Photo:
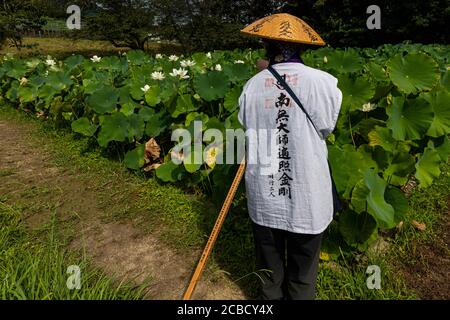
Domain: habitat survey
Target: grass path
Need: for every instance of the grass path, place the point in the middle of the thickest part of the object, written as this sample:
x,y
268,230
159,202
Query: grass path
x,y
100,213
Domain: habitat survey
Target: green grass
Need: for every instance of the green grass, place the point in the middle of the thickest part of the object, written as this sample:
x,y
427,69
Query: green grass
x,y
33,266
183,220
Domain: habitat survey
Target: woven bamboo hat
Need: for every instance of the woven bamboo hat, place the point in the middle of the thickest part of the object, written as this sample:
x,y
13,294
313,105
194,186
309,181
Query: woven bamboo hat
x,y
284,27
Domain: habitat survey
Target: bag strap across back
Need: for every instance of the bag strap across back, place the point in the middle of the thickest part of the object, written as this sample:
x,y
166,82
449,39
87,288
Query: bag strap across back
x,y
282,81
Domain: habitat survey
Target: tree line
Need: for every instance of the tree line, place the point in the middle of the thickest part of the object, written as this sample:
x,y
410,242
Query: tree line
x,y
215,24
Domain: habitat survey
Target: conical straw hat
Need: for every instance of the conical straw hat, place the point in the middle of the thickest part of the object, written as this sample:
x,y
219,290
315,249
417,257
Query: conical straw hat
x,y
284,27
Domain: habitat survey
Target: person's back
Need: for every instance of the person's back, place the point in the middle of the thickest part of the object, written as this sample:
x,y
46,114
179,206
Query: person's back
x,y
292,197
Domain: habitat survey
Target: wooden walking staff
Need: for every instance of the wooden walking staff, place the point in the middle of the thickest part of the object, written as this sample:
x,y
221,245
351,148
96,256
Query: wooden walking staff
x,y
215,232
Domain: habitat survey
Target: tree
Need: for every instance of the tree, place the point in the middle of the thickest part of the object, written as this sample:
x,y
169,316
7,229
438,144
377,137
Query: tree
x,y
17,16
343,23
122,22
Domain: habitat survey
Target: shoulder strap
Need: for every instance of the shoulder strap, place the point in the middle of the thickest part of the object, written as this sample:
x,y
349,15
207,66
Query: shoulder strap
x,y
336,202
292,94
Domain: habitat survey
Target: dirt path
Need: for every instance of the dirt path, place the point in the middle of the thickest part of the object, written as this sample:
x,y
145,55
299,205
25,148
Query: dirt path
x,y
121,249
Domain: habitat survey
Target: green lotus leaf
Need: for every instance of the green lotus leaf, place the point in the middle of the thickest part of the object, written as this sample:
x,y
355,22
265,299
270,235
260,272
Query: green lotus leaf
x,y
104,100
137,57
27,94
367,157
381,157
409,119
46,93
397,200
356,92
382,211
15,69
232,122
169,172
440,103
413,72
212,85
382,137
113,128
127,104
147,113
193,160
445,80
155,125
135,90
444,149
12,93
427,167
36,81
347,166
168,94
152,96
377,72
84,126
356,228
113,63
128,108
359,197
199,116
134,159
59,80
214,123
237,72
400,167
184,104
90,86
231,102
137,126
345,61
73,61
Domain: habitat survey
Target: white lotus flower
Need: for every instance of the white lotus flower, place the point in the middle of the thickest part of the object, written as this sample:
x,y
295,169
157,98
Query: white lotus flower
x,y
181,73
239,62
368,107
173,58
187,63
325,59
96,59
208,55
158,56
218,67
145,88
158,75
50,62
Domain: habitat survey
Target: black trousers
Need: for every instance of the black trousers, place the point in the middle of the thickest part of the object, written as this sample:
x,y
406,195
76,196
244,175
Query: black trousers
x,y
288,263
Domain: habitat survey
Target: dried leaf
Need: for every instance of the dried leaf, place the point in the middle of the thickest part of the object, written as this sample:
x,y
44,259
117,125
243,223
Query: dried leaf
x,y
408,187
152,150
152,167
419,225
